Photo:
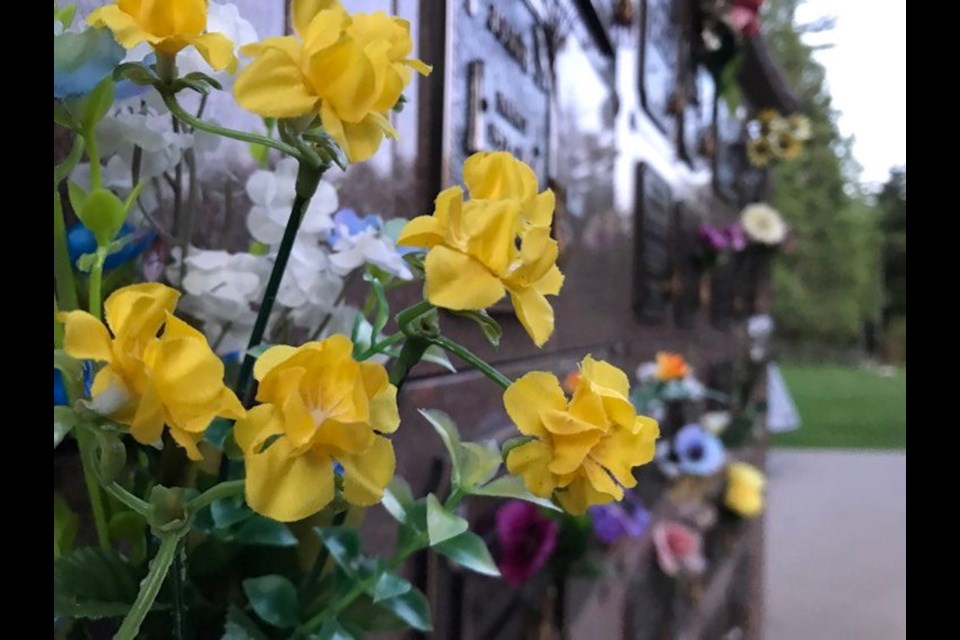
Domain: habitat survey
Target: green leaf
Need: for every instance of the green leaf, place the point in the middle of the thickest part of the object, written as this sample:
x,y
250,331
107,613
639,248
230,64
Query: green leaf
x,y
441,524
76,194
64,419
512,443
63,117
446,428
333,630
412,608
94,583
266,532
131,528
240,626
479,462
65,523
97,103
389,585
512,487
382,309
65,15
199,77
490,327
343,544
437,355
229,511
274,599
469,551
111,456
134,72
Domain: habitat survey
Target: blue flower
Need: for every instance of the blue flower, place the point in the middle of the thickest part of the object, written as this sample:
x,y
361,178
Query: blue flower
x,y
59,389
82,60
353,224
80,241
698,452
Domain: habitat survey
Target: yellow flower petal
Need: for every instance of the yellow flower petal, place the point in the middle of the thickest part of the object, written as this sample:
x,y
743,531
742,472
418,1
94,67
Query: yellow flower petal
x,y
188,441
531,395
288,487
260,423
530,461
216,49
601,480
569,451
367,474
540,214
580,495
562,423
422,231
620,451
359,141
302,13
270,359
490,228
186,371
298,424
420,66
85,337
456,281
336,439
587,407
384,415
147,424
125,27
347,78
272,85
534,313
138,311
551,283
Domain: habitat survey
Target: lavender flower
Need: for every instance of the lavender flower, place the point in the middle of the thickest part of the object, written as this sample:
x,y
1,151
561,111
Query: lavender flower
x,y
613,522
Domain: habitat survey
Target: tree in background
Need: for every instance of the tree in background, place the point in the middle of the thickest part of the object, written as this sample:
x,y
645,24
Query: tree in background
x,y
828,285
892,205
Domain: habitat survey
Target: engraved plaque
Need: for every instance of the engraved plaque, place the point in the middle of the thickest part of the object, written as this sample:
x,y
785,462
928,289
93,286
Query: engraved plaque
x,y
653,255
729,158
497,87
659,57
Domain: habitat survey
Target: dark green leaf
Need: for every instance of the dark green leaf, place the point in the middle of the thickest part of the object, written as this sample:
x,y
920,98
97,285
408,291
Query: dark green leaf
x,y
197,76
412,608
216,434
441,524
94,583
263,531
382,308
130,527
274,599
401,101
512,487
469,551
240,626
343,544
333,630
65,524
389,585
229,511
490,327
446,428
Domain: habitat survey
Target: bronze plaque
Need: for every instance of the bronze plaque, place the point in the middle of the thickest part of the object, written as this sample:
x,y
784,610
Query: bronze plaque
x,y
497,85
659,57
653,255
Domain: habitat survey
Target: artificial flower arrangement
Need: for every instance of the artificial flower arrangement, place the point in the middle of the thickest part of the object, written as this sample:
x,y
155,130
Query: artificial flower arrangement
x,y
225,497
773,137
724,27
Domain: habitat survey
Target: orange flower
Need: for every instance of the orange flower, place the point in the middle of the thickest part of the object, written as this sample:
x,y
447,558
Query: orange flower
x,y
671,366
571,381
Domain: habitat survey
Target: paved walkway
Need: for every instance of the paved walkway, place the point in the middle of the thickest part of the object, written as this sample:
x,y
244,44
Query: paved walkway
x,y
836,545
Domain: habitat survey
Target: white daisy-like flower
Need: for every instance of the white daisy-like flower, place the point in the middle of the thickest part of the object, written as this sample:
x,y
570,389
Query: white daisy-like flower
x,y
762,223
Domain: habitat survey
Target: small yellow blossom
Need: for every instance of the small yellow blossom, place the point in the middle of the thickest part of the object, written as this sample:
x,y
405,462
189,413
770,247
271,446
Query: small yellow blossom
x,y
483,248
168,25
584,449
148,381
671,366
744,489
349,70
320,406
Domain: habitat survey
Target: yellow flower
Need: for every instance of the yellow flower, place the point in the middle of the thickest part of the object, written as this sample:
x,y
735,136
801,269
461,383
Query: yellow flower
x,y
744,489
583,450
800,126
786,145
148,381
168,25
349,70
671,366
497,175
760,152
474,257
319,406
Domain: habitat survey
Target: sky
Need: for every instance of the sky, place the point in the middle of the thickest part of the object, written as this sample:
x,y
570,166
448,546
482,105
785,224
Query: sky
x,y
867,77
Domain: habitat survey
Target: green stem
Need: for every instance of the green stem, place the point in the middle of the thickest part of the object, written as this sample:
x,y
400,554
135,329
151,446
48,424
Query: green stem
x,y
410,355
93,153
62,269
381,346
472,359
87,447
179,606
150,587
214,493
96,282
133,502
195,122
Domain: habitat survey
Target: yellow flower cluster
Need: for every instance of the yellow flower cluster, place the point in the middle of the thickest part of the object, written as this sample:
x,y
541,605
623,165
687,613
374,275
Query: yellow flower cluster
x,y
496,242
778,137
583,450
349,70
149,381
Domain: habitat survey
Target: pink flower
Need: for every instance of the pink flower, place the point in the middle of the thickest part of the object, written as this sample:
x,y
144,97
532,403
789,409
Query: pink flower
x,y
744,16
526,541
678,549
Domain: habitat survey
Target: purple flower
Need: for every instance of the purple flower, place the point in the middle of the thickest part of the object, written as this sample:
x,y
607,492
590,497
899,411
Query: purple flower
x,y
526,540
613,522
698,452
712,236
736,236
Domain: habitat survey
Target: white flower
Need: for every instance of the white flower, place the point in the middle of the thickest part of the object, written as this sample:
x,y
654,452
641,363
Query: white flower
x,y
368,246
762,223
309,288
759,326
272,194
647,371
161,146
715,421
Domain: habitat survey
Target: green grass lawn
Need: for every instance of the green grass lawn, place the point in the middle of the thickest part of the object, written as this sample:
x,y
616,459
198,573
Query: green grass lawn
x,y
846,408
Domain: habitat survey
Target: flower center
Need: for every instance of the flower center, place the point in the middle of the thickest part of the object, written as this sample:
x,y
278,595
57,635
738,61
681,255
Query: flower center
x,y
695,452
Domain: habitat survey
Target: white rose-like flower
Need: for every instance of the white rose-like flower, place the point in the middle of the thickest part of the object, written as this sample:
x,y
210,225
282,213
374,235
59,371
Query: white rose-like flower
x,y
273,193
762,223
